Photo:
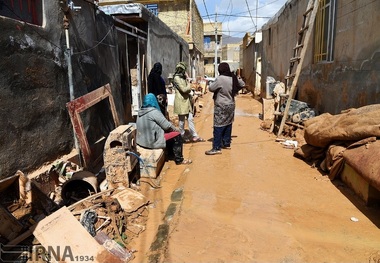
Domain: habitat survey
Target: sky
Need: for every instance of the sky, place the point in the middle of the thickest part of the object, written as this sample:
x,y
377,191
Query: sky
x,y
235,15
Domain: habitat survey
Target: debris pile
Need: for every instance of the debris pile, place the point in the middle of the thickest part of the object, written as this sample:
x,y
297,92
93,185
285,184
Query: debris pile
x,y
110,216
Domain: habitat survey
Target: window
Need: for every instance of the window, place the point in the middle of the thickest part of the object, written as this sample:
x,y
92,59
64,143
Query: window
x,y
29,11
207,43
324,31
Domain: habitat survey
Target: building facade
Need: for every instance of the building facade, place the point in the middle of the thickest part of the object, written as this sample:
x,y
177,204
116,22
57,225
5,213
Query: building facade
x,y
341,66
183,17
54,53
212,47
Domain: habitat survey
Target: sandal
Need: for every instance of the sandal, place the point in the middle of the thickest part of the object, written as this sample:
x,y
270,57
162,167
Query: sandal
x,y
198,139
185,161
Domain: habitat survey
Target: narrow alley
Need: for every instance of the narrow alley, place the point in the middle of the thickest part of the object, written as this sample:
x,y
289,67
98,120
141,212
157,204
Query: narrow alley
x,y
258,203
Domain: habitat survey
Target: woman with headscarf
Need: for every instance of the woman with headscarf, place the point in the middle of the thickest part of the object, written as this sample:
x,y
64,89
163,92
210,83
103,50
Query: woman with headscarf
x,y
156,85
225,88
182,102
154,131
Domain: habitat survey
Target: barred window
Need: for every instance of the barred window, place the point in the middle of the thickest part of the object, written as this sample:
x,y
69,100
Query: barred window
x,y
324,31
29,11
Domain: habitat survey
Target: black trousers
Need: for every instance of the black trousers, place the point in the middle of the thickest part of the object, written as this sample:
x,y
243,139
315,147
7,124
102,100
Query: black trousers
x,y
174,148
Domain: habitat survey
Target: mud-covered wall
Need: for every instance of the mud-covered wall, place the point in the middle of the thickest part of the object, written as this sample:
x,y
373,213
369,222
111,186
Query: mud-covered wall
x,y
165,46
35,125
249,63
352,79
278,40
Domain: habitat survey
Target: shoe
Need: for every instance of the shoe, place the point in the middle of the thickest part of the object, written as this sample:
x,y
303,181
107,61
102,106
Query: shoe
x,y
228,147
185,161
198,139
213,152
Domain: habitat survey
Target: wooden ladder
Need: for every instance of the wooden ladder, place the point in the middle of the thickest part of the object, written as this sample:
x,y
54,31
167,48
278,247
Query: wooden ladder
x,y
295,63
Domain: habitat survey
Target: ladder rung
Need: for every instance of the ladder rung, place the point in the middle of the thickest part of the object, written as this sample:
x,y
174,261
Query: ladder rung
x,y
308,11
298,46
278,113
303,29
290,76
284,95
294,59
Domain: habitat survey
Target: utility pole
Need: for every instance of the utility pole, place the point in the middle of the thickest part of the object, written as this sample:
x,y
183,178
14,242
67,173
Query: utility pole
x,y
216,47
257,7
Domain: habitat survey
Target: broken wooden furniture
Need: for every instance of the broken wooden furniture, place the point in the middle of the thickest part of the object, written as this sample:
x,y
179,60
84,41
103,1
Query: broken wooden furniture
x,y
120,155
64,235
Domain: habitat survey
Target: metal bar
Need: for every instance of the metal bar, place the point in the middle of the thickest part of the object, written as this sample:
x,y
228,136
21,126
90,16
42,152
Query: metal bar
x,y
130,33
130,26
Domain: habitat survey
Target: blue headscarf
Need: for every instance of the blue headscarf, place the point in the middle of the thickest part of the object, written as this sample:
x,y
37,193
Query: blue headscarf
x,y
150,101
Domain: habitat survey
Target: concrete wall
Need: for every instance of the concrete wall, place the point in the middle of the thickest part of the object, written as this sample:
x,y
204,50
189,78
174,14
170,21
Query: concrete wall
x,y
249,62
177,14
35,125
197,34
352,79
183,17
165,46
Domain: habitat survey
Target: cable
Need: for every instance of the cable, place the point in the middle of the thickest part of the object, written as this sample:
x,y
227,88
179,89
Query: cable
x,y
148,180
101,41
249,11
204,3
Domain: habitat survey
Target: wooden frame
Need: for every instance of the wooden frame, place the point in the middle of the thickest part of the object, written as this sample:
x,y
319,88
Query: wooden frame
x,y
78,105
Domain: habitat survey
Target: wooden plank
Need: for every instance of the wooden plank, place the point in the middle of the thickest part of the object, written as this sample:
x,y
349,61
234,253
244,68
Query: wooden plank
x,y
9,227
293,88
64,235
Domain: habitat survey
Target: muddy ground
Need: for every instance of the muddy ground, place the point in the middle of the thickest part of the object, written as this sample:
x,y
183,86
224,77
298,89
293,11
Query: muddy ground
x,y
253,203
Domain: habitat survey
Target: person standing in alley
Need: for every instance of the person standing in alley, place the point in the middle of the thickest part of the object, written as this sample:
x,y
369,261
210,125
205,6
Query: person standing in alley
x,y
156,86
225,88
183,102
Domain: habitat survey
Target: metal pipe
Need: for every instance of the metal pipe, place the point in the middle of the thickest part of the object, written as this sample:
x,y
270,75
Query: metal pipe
x,y
69,65
216,50
70,78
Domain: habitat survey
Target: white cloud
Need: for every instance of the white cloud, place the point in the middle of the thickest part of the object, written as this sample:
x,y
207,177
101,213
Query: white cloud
x,y
235,16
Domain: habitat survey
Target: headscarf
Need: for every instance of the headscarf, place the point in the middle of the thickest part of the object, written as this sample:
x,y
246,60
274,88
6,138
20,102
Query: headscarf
x,y
157,68
180,69
150,101
224,69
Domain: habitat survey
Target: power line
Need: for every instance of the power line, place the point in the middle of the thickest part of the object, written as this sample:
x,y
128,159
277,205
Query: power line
x,y
204,3
240,16
249,11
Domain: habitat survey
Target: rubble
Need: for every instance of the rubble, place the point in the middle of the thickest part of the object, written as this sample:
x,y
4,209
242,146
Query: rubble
x,y
56,208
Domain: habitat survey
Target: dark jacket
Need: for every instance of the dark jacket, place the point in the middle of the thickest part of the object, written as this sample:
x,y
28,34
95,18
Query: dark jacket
x,y
156,83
